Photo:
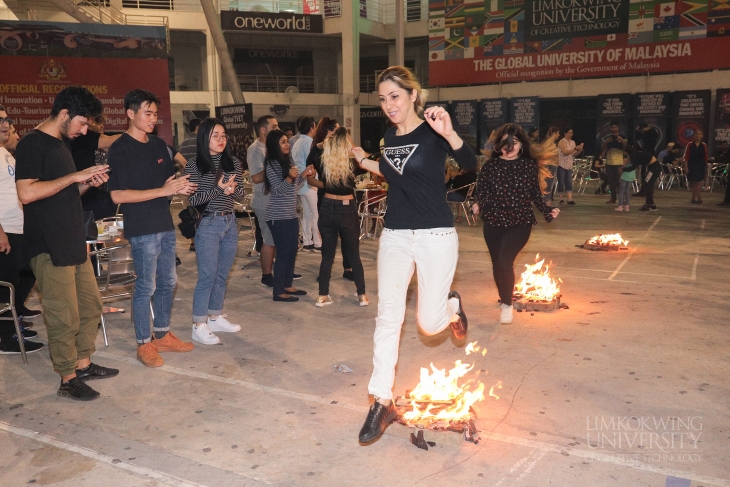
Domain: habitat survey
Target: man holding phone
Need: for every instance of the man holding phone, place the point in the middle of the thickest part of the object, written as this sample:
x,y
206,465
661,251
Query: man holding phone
x,y
50,188
142,179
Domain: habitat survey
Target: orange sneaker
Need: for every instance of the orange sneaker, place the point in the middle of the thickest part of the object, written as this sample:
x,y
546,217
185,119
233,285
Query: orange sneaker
x,y
148,355
171,343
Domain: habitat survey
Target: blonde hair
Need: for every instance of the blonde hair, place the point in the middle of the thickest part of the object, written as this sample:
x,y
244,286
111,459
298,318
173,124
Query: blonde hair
x,y
405,79
336,166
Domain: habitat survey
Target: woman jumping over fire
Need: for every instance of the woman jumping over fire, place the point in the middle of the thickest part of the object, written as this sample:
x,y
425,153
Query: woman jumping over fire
x,y
419,231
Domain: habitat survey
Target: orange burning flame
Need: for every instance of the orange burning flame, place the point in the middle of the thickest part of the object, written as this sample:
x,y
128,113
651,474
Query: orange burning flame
x,y
613,239
536,283
439,396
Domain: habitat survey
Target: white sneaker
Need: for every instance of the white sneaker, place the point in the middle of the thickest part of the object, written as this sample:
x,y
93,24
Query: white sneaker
x,y
619,208
202,334
222,324
506,317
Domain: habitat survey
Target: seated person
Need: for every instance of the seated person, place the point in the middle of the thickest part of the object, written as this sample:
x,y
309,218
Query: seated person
x,y
598,171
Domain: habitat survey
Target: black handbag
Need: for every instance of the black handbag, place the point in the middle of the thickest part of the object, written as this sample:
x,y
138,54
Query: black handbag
x,y
191,216
92,233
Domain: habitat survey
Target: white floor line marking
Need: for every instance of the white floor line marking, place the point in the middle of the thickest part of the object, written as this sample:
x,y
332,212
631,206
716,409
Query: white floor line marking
x,y
486,435
238,382
536,457
694,267
514,468
607,458
702,225
633,250
100,457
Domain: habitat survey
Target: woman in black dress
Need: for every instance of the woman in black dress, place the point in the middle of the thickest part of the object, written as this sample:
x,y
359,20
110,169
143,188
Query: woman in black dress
x,y
695,165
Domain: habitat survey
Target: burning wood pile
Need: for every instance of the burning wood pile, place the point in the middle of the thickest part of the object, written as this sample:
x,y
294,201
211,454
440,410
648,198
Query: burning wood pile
x,y
440,403
537,290
610,242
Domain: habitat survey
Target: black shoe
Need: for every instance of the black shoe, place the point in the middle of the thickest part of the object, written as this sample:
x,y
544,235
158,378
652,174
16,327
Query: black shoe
x,y
459,327
571,202
561,202
27,333
644,208
611,202
290,299
192,247
379,417
724,203
93,372
297,277
75,389
30,314
308,247
177,261
25,324
298,292
348,275
11,346
652,208
267,280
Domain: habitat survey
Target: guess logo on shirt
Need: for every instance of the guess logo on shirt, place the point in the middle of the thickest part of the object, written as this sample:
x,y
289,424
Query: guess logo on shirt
x,y
398,156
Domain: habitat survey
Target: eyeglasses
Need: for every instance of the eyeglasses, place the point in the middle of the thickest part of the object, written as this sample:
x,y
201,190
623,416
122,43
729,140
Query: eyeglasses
x,y
6,119
219,137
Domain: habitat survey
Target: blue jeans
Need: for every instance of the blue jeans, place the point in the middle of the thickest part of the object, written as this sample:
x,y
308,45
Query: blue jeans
x,y
154,263
216,243
550,182
286,240
624,193
565,180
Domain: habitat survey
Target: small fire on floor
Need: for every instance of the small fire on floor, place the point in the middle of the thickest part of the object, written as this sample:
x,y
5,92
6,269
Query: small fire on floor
x,y
537,290
606,243
440,408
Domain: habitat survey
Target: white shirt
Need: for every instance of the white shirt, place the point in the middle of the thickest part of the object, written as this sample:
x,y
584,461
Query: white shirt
x,y
566,160
11,211
299,154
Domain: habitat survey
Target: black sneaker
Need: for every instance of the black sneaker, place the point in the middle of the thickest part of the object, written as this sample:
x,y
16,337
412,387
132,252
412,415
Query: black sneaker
x,y
27,333
11,346
644,208
571,202
348,275
31,314
459,326
297,277
76,389
379,417
308,247
724,203
93,372
267,280
652,208
177,261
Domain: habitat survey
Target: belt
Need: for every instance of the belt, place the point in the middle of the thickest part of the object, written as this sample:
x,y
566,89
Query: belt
x,y
217,213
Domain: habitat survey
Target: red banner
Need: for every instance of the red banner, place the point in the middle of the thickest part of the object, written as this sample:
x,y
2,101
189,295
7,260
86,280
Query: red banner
x,y
28,86
691,55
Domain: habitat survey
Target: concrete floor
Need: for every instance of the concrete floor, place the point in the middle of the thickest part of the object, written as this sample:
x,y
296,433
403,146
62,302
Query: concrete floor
x,y
645,336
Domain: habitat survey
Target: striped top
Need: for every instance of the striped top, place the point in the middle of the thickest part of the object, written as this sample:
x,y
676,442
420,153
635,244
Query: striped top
x,y
208,190
282,204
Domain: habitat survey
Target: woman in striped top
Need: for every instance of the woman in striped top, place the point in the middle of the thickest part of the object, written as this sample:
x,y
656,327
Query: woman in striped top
x,y
281,182
216,239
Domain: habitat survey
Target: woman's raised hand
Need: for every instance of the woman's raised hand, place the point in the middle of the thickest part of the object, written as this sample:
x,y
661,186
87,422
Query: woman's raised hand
x,y
309,171
293,172
440,120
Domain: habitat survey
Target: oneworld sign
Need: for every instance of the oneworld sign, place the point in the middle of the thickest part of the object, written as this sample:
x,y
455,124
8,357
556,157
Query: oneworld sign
x,y
272,22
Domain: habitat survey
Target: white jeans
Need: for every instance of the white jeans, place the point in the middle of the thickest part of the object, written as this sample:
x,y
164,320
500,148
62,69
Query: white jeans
x,y
435,253
310,230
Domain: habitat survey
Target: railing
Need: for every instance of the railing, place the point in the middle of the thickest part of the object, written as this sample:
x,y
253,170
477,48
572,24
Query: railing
x,y
277,84
175,5
368,81
310,7
383,11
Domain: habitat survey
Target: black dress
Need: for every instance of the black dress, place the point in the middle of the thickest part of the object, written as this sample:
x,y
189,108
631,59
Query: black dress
x,y
696,162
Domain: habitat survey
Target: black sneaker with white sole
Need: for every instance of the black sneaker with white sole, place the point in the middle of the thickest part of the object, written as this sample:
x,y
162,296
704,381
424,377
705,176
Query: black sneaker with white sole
x,y
93,372
31,314
78,390
11,346
296,277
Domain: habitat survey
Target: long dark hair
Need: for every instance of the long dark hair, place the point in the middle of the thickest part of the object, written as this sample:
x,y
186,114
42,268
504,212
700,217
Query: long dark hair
x,y
538,154
203,159
275,157
324,126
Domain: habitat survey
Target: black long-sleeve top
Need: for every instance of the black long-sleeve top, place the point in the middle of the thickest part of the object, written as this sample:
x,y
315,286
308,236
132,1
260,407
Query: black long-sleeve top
x,y
413,165
506,191
208,190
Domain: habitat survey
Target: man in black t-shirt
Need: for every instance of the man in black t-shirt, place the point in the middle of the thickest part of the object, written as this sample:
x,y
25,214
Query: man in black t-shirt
x,y
49,186
84,149
142,178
